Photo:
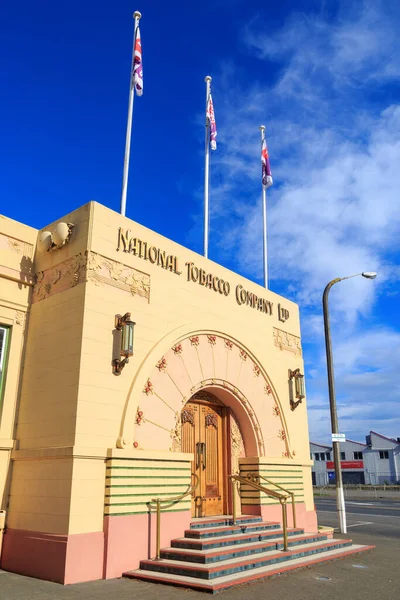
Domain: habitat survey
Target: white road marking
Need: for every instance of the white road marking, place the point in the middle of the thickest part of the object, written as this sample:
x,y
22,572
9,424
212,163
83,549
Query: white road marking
x,y
361,523
361,503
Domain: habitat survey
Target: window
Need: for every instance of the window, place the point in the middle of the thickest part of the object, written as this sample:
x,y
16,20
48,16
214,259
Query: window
x,y
317,456
328,456
357,455
384,454
342,456
4,335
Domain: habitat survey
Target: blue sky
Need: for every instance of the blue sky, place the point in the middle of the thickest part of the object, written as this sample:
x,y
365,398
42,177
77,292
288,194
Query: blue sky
x,y
323,76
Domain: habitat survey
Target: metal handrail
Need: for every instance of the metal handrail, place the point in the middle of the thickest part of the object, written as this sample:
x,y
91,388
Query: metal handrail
x,y
171,501
288,492
252,481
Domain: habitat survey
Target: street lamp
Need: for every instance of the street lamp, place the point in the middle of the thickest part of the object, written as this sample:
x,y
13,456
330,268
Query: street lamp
x,y
332,399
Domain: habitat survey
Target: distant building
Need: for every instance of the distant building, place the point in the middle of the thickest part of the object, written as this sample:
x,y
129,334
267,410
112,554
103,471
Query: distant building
x,y
321,455
381,459
375,463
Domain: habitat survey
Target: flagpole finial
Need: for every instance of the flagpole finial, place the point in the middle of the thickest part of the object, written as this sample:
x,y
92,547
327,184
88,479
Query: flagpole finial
x,y
137,15
208,78
262,127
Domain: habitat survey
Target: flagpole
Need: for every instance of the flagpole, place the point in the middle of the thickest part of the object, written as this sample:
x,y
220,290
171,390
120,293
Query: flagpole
x,y
206,170
137,16
264,210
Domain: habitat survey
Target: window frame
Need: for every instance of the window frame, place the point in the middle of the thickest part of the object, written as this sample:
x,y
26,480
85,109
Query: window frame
x,y
385,454
342,455
4,359
357,455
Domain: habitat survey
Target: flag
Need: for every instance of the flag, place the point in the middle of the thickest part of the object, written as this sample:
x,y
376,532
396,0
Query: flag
x,y
266,169
213,126
137,65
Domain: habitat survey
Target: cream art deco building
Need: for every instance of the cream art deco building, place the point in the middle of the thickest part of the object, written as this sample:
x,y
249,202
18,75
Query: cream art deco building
x,y
89,436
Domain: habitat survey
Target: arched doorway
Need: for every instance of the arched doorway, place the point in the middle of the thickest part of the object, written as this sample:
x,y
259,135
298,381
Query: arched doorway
x,y
205,435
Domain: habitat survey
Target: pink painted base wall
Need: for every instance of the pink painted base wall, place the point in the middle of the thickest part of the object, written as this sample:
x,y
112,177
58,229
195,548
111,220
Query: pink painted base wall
x,y
132,538
60,558
90,556
304,519
125,542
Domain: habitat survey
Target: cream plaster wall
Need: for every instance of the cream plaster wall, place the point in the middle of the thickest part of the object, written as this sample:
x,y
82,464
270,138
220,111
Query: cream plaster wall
x,y
17,243
70,397
179,307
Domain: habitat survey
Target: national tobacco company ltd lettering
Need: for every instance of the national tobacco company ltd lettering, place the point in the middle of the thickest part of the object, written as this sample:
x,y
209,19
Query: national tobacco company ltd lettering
x,y
195,274
245,297
207,279
141,249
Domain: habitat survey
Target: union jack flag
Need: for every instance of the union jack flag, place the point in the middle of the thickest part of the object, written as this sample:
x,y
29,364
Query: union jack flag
x,y
137,65
213,126
266,169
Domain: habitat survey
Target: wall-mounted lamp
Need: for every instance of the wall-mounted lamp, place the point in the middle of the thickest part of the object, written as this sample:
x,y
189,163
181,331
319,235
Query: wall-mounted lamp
x,y
126,326
299,387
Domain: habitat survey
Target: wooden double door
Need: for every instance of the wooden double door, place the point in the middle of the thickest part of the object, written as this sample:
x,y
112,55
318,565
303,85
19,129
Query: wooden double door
x,y
203,434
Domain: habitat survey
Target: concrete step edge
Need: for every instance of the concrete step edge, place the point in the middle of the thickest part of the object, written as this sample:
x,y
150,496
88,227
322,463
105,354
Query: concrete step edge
x,y
240,578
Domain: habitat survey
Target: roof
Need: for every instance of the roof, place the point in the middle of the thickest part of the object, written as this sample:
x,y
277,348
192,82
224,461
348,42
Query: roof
x,y
384,437
353,442
320,445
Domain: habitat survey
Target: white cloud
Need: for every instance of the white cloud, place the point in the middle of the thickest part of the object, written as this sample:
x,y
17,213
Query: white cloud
x,y
333,210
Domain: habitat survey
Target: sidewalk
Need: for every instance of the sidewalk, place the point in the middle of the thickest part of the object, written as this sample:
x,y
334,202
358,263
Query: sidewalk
x,y
379,578
390,493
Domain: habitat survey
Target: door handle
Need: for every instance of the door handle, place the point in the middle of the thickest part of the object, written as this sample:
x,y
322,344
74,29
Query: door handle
x,y
200,455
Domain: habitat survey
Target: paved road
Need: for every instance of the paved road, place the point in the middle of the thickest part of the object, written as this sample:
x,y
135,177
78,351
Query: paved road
x,y
374,517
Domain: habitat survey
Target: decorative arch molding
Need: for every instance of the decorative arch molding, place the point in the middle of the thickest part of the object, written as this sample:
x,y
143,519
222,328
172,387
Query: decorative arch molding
x,y
237,400
198,360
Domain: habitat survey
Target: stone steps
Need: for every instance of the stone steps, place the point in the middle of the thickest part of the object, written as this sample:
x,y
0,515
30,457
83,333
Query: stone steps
x,y
233,580
214,554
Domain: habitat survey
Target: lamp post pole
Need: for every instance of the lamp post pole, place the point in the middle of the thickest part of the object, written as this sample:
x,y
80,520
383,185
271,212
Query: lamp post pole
x,y
332,403
332,399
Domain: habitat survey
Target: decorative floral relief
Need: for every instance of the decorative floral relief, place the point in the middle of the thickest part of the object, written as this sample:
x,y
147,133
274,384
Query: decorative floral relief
x,y
135,444
212,339
176,434
202,395
103,270
177,349
58,279
187,416
195,341
228,344
294,452
162,364
287,341
17,246
267,389
19,317
256,370
282,434
148,388
243,355
139,417
275,411
285,454
211,419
